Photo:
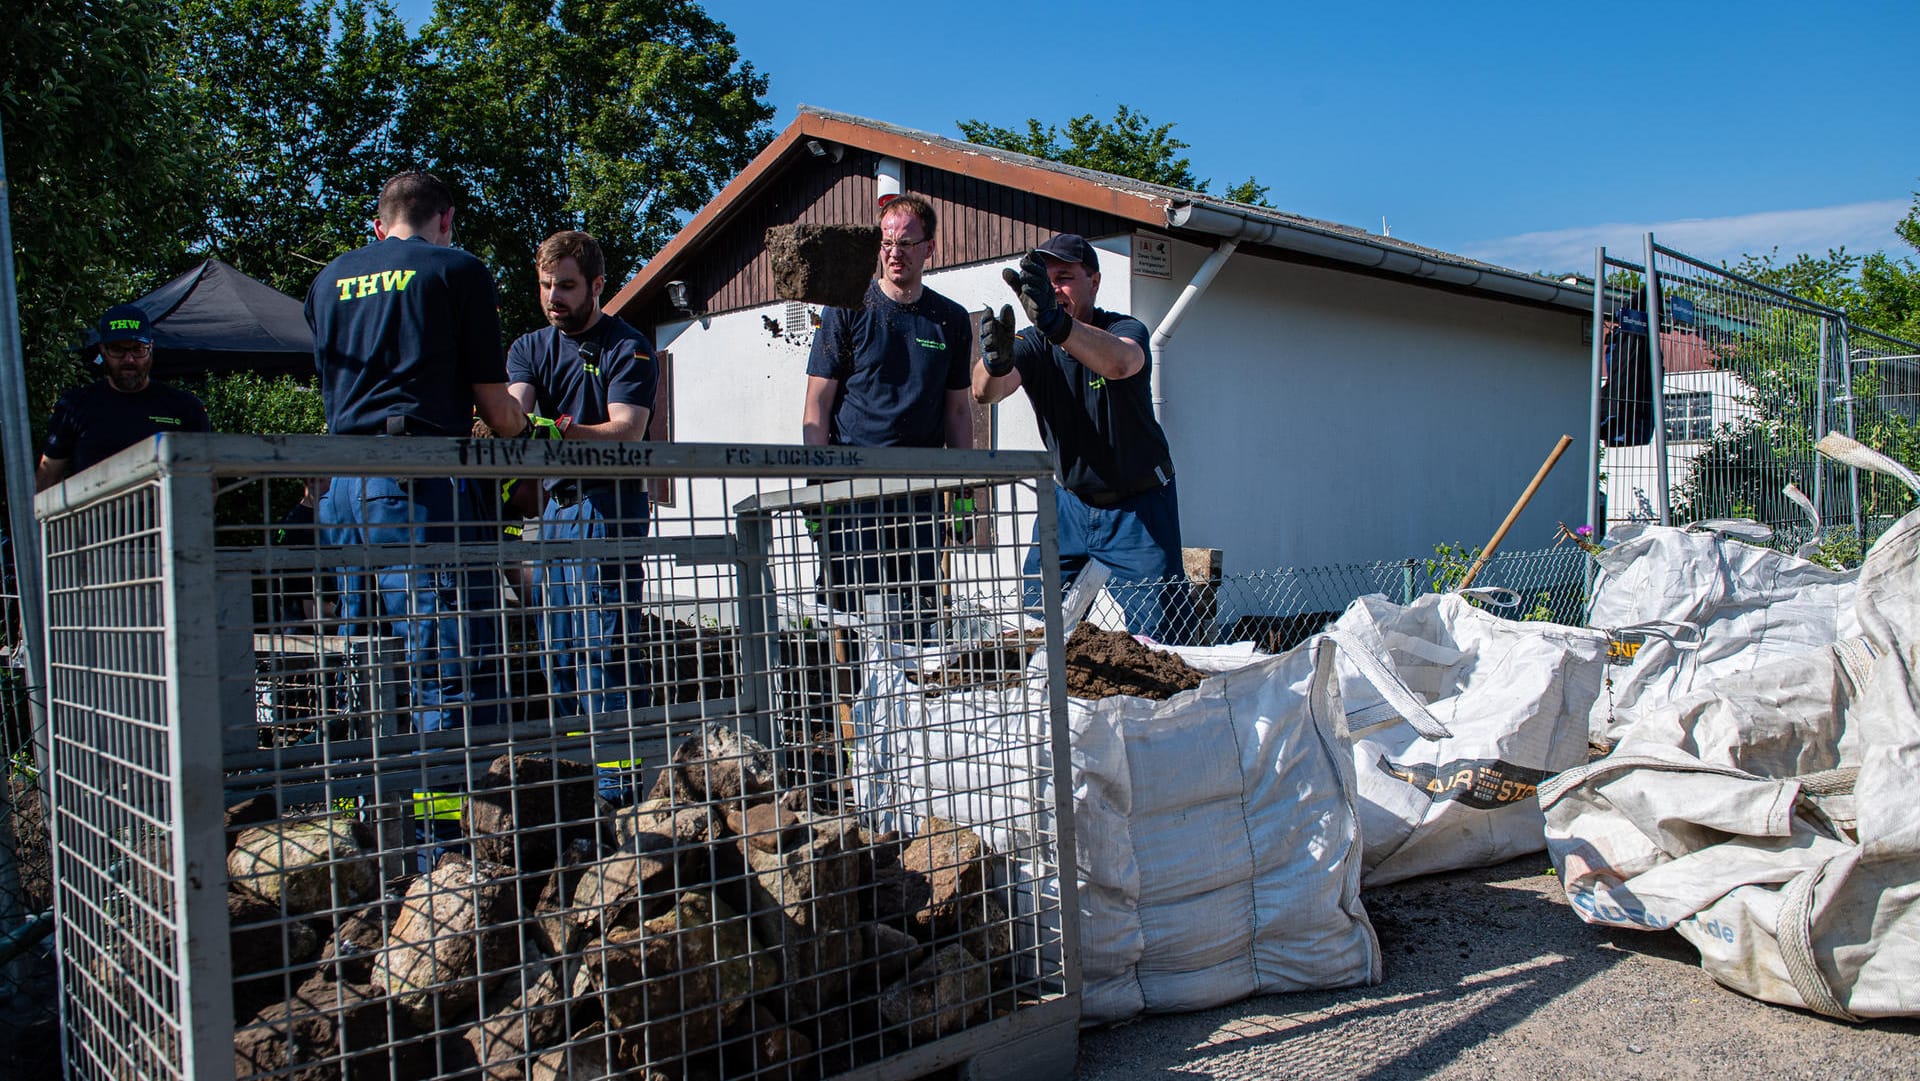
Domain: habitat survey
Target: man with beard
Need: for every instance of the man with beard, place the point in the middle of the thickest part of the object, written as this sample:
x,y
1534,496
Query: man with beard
x,y
594,376
890,373
122,407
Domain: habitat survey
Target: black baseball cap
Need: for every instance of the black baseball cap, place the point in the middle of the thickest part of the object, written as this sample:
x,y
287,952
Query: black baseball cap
x,y
1071,248
125,323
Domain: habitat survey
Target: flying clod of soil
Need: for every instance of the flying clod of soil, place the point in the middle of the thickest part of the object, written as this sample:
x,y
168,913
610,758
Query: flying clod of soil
x,y
828,265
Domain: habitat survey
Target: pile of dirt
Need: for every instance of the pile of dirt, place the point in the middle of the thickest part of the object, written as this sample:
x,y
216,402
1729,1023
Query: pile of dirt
x,y
1101,664
993,664
823,264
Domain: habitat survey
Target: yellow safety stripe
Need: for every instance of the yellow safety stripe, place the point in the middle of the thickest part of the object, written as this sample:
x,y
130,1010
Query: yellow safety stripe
x,y
437,805
620,763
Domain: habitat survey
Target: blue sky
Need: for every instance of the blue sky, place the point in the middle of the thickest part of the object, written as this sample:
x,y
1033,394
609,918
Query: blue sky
x,y
1519,133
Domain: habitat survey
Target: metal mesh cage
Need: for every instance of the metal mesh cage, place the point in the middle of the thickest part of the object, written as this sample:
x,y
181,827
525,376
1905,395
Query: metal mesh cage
x,y
372,775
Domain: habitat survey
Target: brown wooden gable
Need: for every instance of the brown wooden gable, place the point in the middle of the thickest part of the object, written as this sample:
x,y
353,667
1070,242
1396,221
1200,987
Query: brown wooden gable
x,y
727,268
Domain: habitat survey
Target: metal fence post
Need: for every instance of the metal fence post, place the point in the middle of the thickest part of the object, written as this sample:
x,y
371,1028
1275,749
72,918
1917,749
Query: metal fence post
x,y
197,723
1658,376
1846,395
1594,510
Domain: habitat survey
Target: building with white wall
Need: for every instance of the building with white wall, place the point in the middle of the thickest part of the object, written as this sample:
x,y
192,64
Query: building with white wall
x,y
1330,395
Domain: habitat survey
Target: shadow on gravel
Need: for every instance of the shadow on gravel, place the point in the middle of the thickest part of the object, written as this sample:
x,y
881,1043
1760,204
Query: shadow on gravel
x,y
1466,957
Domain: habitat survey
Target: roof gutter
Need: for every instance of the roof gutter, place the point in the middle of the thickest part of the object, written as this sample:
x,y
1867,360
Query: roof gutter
x,y
1297,237
1169,323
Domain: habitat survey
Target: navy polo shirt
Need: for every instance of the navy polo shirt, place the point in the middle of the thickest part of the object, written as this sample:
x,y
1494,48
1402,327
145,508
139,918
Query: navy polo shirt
x,y
1101,432
895,364
622,369
404,328
96,422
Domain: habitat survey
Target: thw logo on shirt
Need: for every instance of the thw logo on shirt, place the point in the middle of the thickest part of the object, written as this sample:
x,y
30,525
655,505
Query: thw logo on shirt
x,y
1098,382
926,343
363,285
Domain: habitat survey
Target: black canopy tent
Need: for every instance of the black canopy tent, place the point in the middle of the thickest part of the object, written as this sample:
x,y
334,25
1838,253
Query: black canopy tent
x,y
213,320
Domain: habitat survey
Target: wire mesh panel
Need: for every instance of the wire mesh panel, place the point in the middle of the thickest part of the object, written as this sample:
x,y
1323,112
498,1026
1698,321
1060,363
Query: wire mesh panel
x,y
1713,390
1879,404
512,771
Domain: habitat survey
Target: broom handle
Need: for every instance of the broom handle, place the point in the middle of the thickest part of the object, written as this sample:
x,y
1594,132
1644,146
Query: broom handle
x,y
1512,515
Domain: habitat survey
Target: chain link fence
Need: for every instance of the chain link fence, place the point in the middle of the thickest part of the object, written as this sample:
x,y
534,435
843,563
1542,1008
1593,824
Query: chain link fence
x,y
1280,608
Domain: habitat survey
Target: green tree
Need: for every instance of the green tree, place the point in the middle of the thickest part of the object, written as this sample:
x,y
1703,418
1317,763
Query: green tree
x,y
99,148
301,100
614,116
1129,145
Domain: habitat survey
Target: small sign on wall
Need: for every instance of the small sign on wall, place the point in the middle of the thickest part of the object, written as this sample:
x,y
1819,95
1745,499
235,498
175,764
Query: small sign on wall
x,y
1152,256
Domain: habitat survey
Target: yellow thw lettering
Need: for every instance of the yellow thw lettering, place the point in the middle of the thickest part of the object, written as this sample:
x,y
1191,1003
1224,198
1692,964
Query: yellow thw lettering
x,y
346,287
367,283
395,281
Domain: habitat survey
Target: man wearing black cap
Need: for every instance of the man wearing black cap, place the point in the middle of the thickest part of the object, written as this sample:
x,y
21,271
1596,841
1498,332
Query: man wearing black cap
x,y
1088,373
122,407
406,337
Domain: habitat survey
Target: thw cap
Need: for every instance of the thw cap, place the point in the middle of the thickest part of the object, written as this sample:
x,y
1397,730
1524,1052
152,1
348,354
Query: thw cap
x,y
1071,248
125,323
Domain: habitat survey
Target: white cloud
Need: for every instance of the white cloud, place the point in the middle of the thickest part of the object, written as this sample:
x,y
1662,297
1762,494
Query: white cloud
x,y
1861,227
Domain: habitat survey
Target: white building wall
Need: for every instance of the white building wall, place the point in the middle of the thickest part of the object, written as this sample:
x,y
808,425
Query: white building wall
x,y
1315,416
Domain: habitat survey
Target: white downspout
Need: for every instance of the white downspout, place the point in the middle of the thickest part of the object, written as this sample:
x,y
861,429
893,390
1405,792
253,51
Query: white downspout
x,y
1163,334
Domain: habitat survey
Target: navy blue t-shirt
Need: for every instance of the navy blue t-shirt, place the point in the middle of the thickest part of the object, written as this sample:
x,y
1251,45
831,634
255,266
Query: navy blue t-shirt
x,y
622,369
404,328
96,422
1102,432
895,363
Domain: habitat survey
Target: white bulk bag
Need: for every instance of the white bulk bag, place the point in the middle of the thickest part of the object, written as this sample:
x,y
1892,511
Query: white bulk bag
x,y
1515,698
1773,819
1216,834
1694,606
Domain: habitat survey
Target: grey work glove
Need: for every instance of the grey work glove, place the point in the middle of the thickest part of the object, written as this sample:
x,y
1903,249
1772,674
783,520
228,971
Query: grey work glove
x,y
1035,290
996,341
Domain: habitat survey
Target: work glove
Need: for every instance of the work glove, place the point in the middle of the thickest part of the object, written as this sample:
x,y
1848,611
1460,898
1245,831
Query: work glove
x,y
1035,290
539,427
996,341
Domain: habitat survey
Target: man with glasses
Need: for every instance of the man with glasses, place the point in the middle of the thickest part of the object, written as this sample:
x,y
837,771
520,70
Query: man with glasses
x,y
891,373
121,408
596,375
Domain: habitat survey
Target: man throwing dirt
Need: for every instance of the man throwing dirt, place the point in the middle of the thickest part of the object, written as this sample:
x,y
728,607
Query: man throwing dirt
x,y
1088,373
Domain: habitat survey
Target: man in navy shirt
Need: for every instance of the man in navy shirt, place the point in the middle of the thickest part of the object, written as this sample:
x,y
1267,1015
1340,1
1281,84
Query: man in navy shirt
x,y
599,373
406,337
1088,374
891,373
122,407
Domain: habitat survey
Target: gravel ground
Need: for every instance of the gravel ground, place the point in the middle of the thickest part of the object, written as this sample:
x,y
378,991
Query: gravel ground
x,y
1490,975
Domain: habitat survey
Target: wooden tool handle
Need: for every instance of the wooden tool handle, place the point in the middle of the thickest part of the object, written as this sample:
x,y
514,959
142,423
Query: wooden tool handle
x,y
1514,514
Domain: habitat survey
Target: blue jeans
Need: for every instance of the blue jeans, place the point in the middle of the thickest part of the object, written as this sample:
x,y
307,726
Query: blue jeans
x,y
589,607
888,546
1139,541
589,610
445,616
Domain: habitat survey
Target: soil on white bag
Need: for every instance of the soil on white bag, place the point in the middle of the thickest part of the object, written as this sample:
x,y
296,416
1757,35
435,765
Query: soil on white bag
x,y
989,665
1101,664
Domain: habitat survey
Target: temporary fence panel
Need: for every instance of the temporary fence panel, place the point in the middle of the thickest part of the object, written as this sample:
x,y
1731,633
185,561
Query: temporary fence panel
x,y
376,777
1710,390
1878,404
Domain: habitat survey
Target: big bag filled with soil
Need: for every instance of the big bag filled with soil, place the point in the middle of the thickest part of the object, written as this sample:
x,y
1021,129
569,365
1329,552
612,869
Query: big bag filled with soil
x,y
1773,818
1216,832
